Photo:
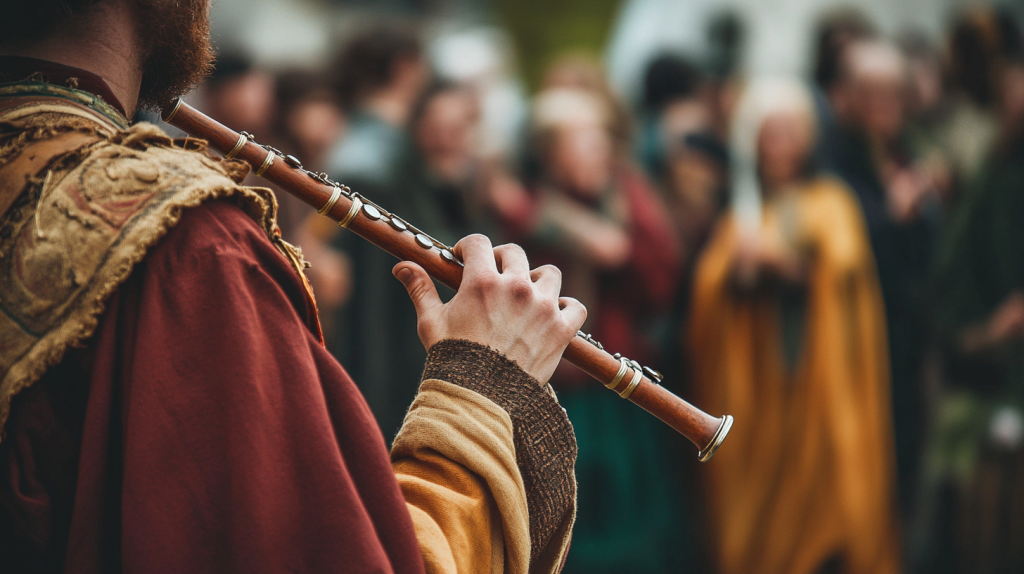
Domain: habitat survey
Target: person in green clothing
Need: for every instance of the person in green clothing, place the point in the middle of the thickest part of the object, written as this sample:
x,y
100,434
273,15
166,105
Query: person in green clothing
x,y
590,213
978,450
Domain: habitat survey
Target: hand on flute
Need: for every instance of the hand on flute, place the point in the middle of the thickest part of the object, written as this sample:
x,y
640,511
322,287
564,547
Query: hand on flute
x,y
530,324
501,303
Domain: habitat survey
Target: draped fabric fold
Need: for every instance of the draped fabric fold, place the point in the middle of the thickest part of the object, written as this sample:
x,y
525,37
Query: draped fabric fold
x,y
807,478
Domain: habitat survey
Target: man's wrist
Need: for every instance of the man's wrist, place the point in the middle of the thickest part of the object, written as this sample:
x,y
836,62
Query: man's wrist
x,y
544,441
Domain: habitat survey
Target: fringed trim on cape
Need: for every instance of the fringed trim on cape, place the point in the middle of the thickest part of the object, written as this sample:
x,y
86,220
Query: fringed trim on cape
x,y
79,228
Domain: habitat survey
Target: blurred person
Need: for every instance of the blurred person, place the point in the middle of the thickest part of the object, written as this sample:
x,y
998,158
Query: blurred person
x,y
835,30
239,94
928,110
926,74
978,455
901,200
669,79
308,122
604,227
694,185
727,36
581,72
309,119
441,172
978,42
244,97
166,400
380,74
435,188
692,172
788,332
482,60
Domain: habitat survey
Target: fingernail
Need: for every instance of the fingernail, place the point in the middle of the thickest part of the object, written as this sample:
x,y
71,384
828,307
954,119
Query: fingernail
x,y
403,274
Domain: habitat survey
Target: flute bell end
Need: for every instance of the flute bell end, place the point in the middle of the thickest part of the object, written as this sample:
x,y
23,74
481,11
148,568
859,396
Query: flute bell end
x,y
717,440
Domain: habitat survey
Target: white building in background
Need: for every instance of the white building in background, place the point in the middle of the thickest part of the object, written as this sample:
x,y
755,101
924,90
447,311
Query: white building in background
x,y
779,33
277,33
287,33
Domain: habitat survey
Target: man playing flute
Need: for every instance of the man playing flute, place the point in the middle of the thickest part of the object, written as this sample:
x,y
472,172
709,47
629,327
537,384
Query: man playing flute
x,y
166,400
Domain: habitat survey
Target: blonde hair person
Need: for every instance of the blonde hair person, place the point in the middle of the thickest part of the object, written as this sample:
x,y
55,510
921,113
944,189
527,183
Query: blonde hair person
x,y
788,333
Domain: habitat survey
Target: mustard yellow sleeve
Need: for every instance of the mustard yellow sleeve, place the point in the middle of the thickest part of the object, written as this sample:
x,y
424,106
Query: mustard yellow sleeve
x,y
486,471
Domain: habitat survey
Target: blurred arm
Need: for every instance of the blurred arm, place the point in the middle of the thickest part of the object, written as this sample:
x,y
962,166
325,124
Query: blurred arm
x,y
603,242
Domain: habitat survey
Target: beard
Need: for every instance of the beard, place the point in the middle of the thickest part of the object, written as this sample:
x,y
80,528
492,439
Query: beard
x,y
179,54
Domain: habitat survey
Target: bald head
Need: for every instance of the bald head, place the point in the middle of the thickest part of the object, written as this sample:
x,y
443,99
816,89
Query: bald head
x,y
871,91
873,60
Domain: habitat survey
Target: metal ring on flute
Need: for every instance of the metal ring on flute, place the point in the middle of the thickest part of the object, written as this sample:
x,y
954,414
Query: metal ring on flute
x,y
335,195
266,164
238,147
637,377
705,454
168,116
353,211
623,367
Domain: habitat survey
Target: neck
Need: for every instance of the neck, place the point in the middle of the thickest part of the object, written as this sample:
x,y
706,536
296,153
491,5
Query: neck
x,y
774,188
452,168
103,40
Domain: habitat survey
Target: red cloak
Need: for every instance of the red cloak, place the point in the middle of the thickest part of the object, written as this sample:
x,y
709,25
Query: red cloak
x,y
203,428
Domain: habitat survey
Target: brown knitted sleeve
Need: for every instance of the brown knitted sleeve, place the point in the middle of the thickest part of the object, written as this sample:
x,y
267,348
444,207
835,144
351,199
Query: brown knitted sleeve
x,y
543,436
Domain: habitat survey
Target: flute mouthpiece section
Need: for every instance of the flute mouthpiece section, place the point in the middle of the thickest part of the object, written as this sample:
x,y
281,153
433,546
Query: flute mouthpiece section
x,y
170,110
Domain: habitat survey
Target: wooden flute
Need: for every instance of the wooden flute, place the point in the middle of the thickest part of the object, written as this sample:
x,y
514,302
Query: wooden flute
x,y
403,240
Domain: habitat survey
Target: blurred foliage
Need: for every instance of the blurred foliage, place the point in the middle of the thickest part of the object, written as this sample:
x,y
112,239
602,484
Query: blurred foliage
x,y
962,424
390,6
542,30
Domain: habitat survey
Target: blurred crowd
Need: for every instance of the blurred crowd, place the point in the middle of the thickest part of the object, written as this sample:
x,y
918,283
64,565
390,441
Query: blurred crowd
x,y
832,259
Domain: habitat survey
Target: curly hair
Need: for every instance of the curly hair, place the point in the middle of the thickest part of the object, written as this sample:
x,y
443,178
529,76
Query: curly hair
x,y
23,20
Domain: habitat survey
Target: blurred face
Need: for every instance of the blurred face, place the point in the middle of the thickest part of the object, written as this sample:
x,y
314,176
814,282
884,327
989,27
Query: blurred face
x,y
410,75
581,157
879,99
448,127
244,100
693,178
315,125
783,144
684,117
1011,97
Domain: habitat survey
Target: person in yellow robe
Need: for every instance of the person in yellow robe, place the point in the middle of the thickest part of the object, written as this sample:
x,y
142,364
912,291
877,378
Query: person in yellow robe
x,y
788,335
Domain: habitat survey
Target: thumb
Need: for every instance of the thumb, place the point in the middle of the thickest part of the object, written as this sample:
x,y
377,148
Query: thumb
x,y
421,289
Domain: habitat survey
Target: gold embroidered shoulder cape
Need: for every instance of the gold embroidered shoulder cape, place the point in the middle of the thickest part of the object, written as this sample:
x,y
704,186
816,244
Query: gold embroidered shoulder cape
x,y
83,197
